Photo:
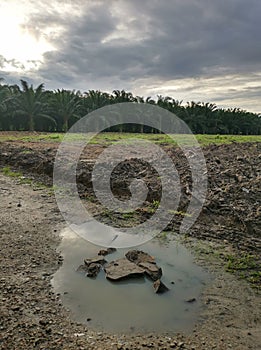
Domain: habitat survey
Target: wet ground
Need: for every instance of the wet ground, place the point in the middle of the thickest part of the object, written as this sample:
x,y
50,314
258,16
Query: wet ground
x,y
33,317
131,306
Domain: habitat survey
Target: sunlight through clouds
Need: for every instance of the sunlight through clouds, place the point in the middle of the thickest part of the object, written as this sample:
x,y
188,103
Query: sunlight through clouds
x,y
21,50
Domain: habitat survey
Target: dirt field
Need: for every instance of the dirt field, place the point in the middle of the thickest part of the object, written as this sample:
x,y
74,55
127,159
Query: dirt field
x,y
225,237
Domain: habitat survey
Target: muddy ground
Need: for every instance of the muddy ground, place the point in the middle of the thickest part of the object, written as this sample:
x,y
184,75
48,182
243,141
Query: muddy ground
x,y
226,236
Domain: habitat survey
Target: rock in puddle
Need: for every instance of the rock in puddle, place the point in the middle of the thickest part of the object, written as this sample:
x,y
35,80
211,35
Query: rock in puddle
x,y
93,270
145,261
96,260
92,266
160,287
138,256
122,269
136,263
151,270
107,251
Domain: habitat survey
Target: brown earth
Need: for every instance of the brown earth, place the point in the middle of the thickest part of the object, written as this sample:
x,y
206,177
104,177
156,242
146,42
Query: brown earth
x,y
232,207
32,317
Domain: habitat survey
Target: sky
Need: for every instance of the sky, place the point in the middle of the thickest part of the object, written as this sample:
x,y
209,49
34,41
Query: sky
x,y
200,50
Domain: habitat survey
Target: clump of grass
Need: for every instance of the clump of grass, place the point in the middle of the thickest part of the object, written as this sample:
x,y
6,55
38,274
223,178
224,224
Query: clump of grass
x,y
26,180
26,151
128,215
153,206
8,172
179,213
246,267
247,261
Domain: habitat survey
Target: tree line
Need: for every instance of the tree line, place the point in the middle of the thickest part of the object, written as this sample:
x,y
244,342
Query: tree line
x,y
36,109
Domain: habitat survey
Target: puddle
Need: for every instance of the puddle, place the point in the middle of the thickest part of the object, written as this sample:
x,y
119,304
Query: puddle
x,y
131,305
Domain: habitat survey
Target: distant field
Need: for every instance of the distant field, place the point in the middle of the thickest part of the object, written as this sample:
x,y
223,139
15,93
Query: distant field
x,y
110,138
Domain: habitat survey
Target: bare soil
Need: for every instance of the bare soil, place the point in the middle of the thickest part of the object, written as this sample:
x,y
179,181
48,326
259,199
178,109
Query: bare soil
x,y
32,316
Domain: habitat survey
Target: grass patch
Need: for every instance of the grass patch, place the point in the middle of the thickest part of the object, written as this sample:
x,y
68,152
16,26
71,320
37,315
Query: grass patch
x,y
128,215
26,151
109,138
179,213
246,267
8,172
245,262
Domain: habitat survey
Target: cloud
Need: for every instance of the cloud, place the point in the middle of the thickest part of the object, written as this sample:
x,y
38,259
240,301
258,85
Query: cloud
x,y
11,64
126,44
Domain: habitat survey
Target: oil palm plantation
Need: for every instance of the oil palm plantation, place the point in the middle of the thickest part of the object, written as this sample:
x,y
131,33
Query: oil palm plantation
x,y
3,105
32,104
94,99
66,105
29,108
7,94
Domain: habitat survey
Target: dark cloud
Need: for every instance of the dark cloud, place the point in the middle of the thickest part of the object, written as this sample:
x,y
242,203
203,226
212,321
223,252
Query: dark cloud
x,y
101,43
163,39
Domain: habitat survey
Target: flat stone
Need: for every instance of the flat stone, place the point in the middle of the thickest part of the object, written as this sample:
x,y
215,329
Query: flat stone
x,y
95,260
151,270
122,269
138,256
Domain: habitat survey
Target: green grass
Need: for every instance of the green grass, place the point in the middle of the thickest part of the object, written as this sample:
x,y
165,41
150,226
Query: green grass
x,y
111,138
8,172
246,266
179,213
205,140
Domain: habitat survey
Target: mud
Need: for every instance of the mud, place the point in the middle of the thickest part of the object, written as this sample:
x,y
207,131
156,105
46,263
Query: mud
x,y
32,316
232,207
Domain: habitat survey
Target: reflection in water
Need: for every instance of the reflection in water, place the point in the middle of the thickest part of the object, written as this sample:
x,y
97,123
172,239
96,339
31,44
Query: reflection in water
x,y
130,305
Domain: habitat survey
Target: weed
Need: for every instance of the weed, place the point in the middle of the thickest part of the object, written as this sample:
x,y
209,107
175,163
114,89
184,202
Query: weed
x,y
26,180
26,151
180,213
245,262
155,204
128,215
8,172
246,267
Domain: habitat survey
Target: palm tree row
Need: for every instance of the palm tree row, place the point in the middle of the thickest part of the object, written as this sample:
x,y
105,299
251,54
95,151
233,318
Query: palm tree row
x,y
29,108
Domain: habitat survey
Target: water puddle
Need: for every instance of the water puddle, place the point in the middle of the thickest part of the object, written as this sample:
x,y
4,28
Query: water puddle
x,y
131,305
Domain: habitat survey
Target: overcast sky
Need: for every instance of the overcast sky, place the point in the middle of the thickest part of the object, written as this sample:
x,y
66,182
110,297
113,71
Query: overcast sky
x,y
201,50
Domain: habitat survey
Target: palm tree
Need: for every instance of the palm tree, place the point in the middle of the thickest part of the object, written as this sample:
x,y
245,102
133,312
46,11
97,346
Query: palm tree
x,y
94,99
3,94
122,96
7,96
67,105
3,106
32,104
